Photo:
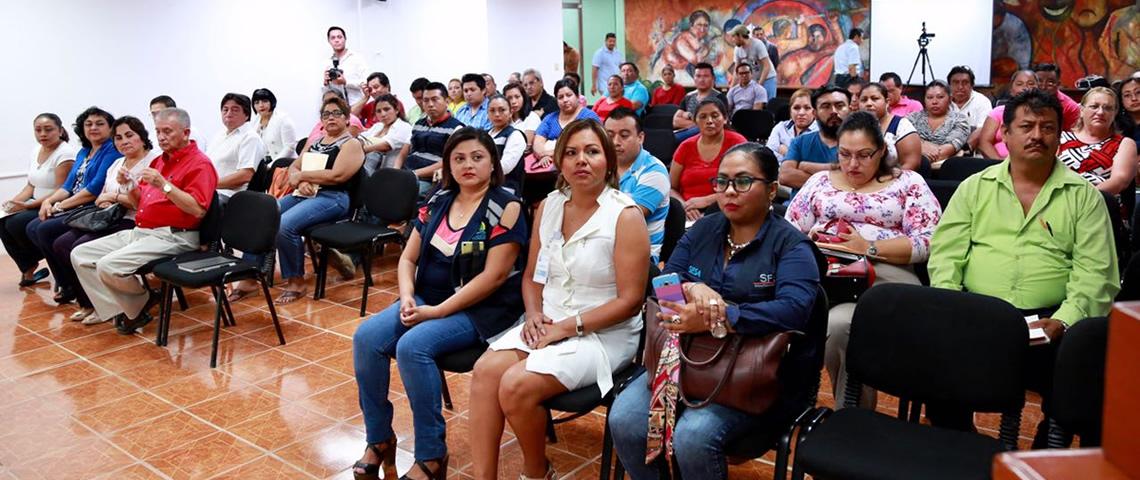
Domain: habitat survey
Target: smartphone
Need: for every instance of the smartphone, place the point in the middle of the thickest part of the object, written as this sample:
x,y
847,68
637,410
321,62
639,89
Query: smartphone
x,y
668,287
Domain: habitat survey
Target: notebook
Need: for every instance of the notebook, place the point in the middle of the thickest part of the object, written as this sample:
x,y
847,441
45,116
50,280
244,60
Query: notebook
x,y
1036,335
312,161
205,264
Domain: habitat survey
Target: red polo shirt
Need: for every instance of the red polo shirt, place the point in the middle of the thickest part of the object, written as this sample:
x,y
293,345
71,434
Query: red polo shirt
x,y
189,170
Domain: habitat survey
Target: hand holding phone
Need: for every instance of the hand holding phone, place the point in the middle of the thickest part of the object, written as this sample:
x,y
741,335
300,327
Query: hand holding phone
x,y
668,287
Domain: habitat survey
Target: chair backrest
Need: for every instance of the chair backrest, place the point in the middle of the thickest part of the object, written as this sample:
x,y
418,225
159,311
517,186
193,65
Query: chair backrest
x,y
664,110
755,125
780,107
661,144
674,228
210,228
300,145
250,222
1119,232
390,193
1078,380
802,378
1130,281
934,345
943,190
960,168
262,177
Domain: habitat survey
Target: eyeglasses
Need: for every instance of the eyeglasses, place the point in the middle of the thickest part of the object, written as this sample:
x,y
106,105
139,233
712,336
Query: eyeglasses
x,y
741,184
863,156
331,113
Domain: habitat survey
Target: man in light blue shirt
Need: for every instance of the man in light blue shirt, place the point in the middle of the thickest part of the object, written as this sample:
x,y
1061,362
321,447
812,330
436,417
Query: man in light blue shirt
x,y
642,176
474,112
607,62
634,90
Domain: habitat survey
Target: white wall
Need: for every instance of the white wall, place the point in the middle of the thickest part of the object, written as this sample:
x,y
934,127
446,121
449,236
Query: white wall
x,y
66,55
964,37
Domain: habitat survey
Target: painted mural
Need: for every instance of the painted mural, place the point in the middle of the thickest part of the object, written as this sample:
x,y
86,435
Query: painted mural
x,y
683,33
1083,37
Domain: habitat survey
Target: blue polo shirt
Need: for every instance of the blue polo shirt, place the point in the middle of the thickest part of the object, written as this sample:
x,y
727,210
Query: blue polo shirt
x,y
608,63
647,182
474,117
550,129
636,92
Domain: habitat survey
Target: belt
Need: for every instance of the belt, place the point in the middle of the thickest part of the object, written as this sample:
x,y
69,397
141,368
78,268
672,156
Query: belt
x,y
181,230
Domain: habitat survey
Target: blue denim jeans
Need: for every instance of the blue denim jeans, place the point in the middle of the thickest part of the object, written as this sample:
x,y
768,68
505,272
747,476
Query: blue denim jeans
x,y
698,439
297,214
770,87
380,338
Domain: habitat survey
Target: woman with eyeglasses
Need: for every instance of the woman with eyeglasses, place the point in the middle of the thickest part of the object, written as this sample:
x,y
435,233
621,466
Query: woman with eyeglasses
x,y
698,158
1094,150
1128,118
718,260
892,214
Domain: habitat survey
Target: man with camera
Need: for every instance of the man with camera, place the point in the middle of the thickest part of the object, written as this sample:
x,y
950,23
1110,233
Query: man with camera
x,y
346,70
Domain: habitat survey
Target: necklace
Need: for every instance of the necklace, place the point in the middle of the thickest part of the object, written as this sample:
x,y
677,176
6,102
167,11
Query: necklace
x,y
733,247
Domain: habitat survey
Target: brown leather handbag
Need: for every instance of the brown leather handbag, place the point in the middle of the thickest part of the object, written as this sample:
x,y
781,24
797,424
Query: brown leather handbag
x,y
737,371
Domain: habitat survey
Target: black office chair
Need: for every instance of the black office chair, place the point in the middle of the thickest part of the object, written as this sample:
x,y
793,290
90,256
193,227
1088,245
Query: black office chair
x,y
664,110
755,125
1120,234
250,223
943,190
674,228
779,106
960,168
1077,406
968,351
661,144
1130,281
389,194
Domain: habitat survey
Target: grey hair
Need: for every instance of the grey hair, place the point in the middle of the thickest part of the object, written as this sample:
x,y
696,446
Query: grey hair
x,y
179,115
531,71
1018,73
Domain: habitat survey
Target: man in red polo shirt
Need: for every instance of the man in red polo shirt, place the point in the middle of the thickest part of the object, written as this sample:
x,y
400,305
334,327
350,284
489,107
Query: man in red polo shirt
x,y
171,198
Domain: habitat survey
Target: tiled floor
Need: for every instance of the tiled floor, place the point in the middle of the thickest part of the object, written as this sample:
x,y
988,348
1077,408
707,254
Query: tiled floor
x,y
85,402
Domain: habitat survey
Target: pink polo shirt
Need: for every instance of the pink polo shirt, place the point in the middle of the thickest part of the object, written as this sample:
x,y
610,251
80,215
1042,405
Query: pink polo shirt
x,y
906,106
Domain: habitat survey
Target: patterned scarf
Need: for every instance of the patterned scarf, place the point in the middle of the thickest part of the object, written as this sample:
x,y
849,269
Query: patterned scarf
x,y
663,402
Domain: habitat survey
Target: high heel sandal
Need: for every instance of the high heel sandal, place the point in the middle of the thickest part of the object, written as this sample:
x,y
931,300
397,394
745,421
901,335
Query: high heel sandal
x,y
386,450
550,473
439,474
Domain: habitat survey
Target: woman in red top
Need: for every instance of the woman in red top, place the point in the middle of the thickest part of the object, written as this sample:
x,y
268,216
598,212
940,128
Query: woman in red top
x,y
697,159
669,93
615,99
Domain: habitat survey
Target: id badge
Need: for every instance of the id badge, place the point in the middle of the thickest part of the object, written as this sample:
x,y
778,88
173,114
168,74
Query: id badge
x,y
542,265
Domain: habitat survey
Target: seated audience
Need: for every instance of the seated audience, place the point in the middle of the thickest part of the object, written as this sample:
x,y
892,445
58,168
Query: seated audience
x,y
891,210
990,144
614,99
83,184
814,152
1033,233
172,196
133,141
523,117
516,77
1095,150
569,110
577,80
275,128
1128,117
319,196
473,113
685,120
943,133
746,94
904,149
668,93
645,422
51,162
491,89
1049,80
417,90
374,87
389,136
802,121
438,312
967,101
237,149
355,126
640,175
429,135
455,98
541,102
510,143
698,158
897,103
754,52
637,94
582,297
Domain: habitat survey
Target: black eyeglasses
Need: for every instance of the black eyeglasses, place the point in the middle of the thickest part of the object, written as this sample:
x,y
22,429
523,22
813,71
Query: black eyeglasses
x,y
741,184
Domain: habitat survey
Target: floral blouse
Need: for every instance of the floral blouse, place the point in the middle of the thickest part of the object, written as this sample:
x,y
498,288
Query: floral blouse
x,y
906,207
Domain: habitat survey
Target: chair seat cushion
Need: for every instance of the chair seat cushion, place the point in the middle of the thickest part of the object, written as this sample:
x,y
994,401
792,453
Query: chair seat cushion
x,y
169,272
857,443
461,361
347,235
588,398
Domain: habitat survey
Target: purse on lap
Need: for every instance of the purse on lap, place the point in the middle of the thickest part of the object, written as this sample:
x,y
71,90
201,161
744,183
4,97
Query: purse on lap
x,y
93,219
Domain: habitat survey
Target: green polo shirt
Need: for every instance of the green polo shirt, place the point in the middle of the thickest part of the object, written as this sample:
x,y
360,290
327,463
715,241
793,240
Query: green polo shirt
x,y
1061,253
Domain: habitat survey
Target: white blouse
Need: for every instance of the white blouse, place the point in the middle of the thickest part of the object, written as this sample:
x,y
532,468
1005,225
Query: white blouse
x,y
399,135
41,176
112,183
529,124
279,136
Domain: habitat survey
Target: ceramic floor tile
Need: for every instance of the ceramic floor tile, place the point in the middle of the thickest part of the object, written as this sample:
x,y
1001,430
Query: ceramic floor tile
x,y
54,379
204,457
137,471
192,337
340,402
511,460
264,467
104,341
318,347
85,460
229,350
32,438
236,407
330,317
262,366
303,382
282,426
327,452
95,393
293,331
198,388
129,358
122,413
341,362
160,372
34,360
159,434
15,339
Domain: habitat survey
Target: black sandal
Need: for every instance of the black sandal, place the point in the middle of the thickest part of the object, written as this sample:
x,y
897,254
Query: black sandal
x,y
37,277
387,456
439,474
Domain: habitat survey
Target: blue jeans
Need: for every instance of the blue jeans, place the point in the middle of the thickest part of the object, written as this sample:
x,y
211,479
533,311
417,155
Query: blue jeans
x,y
380,338
297,214
770,87
698,439
682,135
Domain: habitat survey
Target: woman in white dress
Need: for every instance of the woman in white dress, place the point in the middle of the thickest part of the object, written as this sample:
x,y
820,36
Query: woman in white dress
x,y
583,289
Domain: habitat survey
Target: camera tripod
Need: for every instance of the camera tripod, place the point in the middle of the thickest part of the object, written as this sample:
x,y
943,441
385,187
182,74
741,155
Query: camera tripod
x,y
923,57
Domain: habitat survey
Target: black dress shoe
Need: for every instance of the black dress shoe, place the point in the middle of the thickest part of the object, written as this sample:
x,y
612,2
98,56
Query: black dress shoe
x,y
37,277
129,327
65,295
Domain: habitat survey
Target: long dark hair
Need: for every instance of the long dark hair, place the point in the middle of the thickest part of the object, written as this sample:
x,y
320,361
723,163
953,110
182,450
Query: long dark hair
x,y
471,133
866,123
526,106
1124,119
53,118
607,147
82,118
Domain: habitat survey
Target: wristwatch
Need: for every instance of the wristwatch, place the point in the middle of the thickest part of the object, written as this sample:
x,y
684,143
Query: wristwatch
x,y
579,329
872,250
167,188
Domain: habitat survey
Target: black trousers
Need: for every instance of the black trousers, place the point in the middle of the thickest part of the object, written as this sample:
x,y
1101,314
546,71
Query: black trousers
x,y
13,232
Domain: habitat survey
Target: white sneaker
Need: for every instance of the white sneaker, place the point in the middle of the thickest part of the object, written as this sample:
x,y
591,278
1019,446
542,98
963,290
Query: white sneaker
x,y
93,319
81,314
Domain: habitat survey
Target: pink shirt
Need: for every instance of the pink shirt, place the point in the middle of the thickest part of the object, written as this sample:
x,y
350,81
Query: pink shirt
x,y
906,106
1070,109
999,143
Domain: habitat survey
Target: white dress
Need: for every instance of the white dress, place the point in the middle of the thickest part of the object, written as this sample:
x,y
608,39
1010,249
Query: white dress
x,y
581,277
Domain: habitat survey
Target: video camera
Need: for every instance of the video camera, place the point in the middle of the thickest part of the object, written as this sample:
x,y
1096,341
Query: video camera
x,y
924,38
335,72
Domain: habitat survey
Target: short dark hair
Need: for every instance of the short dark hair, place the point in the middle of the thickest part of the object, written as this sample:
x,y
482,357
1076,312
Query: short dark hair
x,y
1047,67
715,101
705,66
826,90
855,32
53,118
380,77
866,123
1036,101
135,125
340,105
763,157
334,27
165,100
471,133
475,78
631,65
892,76
264,94
565,83
241,100
611,35
436,86
958,70
91,111
935,84
420,84
745,65
622,113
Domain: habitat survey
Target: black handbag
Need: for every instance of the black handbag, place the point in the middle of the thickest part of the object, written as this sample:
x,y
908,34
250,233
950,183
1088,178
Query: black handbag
x,y
93,219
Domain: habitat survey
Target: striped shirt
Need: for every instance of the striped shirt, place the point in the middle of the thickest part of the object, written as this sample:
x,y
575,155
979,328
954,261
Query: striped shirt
x,y
428,141
647,182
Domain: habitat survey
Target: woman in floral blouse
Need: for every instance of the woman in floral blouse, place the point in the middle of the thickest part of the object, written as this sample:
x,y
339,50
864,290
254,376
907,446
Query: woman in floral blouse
x,y
893,215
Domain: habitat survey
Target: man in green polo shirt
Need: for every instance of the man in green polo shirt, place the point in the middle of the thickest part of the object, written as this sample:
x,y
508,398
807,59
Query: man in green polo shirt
x,y
1031,232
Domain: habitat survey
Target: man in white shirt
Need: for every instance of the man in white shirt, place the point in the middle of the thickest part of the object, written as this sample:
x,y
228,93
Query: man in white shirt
x,y
236,150
963,98
848,60
345,71
755,54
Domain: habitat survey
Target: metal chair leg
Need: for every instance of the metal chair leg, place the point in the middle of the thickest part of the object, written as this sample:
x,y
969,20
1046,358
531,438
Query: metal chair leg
x,y
607,450
272,309
228,320
322,269
163,312
550,434
367,277
446,391
219,297
181,298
